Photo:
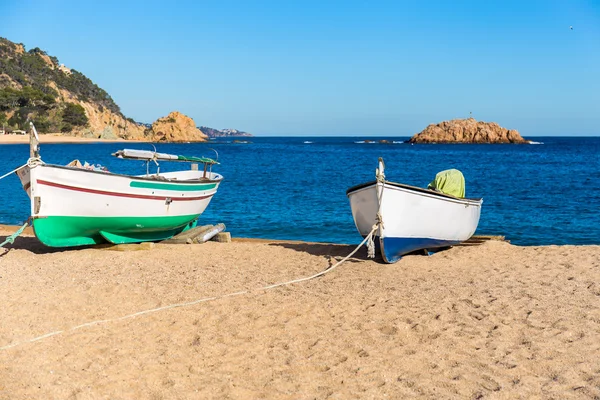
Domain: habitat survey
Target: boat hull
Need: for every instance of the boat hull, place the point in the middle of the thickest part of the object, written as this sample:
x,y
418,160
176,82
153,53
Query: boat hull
x,y
75,207
412,218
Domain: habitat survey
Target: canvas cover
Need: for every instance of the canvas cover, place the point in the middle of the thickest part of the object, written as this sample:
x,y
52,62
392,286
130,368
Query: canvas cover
x,y
450,181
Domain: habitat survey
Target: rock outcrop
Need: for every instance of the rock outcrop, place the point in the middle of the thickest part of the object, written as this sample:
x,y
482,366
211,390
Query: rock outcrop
x,y
175,127
467,131
105,124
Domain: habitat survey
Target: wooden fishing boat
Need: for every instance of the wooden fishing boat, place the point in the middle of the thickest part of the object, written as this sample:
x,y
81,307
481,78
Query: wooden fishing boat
x,y
74,206
410,218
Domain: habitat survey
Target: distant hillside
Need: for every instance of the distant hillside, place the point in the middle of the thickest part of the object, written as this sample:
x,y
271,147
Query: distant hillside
x,y
211,132
34,86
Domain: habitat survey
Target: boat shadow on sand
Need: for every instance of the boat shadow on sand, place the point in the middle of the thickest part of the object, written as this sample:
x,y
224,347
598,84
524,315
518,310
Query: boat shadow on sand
x,y
334,252
32,244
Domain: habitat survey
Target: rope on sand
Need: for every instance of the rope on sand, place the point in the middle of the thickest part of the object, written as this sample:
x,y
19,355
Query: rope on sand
x,y
191,303
11,238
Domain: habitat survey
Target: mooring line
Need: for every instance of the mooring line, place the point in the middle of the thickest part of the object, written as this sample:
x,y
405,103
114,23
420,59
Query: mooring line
x,y
191,303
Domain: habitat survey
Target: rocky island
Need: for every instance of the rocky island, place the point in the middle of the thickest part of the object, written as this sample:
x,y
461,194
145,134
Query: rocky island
x,y
467,131
176,127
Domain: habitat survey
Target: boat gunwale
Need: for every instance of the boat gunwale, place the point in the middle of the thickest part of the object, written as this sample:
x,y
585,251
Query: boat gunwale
x,y
108,173
474,201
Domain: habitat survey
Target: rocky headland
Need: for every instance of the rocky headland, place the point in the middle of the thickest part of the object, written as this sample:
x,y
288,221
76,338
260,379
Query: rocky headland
x,y
467,131
35,87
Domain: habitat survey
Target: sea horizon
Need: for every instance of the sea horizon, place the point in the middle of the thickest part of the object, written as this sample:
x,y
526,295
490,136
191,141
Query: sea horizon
x,y
400,136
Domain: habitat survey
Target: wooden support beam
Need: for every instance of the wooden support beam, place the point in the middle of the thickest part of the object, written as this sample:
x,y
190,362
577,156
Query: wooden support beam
x,y
222,237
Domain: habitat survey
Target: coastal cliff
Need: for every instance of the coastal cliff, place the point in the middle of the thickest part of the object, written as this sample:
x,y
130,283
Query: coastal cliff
x,y
35,87
467,131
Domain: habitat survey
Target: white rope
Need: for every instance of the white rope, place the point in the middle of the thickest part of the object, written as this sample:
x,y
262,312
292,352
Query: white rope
x,y
32,162
13,171
191,303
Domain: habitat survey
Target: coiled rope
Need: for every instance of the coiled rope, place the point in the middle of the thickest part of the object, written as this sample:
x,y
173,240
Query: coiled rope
x,y
191,303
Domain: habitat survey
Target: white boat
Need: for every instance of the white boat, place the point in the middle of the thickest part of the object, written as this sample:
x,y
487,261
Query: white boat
x,y
74,206
408,218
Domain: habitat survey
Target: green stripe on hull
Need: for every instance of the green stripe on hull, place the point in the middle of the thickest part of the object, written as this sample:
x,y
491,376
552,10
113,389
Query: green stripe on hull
x,y
171,186
82,231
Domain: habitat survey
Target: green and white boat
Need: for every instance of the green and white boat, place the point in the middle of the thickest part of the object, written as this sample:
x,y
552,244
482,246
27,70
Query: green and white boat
x,y
74,206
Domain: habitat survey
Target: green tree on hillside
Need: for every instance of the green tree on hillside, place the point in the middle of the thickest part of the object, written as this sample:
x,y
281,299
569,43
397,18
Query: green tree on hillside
x,y
33,89
73,115
20,118
27,97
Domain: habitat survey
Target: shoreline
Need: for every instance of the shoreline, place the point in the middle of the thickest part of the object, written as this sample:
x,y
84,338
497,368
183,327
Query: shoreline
x,y
28,232
7,230
56,138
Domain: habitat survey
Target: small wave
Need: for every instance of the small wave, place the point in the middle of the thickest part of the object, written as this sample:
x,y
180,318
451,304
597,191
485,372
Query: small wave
x,y
398,141
533,142
307,142
365,141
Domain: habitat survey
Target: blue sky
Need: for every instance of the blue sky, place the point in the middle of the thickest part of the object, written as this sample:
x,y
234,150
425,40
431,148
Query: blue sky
x,y
331,67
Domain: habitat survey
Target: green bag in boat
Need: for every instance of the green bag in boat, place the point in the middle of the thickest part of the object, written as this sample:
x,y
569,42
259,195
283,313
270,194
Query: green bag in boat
x,y
450,181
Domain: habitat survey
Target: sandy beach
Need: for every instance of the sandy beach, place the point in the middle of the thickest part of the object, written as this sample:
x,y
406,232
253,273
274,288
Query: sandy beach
x,y
490,321
56,138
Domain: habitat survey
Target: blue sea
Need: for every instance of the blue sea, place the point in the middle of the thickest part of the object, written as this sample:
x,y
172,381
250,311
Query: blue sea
x,y
295,187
